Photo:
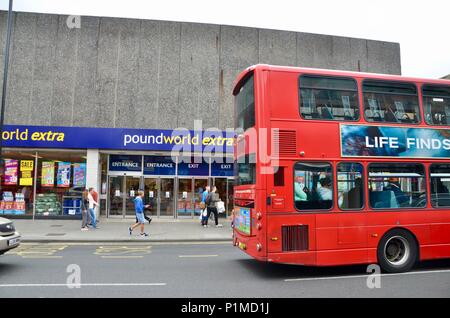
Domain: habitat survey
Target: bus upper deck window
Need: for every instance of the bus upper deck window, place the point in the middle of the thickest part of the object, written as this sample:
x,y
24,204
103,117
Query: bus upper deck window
x,y
390,102
328,98
245,105
436,102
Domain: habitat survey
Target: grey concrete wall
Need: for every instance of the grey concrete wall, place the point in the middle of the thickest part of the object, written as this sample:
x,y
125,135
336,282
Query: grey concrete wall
x,y
155,74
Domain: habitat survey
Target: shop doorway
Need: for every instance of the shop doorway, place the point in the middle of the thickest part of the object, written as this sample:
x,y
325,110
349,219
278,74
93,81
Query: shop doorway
x,y
122,192
225,191
189,196
159,195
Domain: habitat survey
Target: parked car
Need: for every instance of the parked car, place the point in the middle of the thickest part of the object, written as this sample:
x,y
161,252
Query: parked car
x,y
9,238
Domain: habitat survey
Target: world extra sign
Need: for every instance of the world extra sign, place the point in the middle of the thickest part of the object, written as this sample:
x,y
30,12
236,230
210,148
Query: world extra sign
x,y
383,141
215,141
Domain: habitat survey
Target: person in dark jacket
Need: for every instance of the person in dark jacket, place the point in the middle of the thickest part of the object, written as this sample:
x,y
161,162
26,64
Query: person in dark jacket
x,y
85,218
211,200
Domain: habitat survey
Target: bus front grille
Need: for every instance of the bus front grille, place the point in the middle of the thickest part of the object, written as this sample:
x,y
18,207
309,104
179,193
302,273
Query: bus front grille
x,y
295,238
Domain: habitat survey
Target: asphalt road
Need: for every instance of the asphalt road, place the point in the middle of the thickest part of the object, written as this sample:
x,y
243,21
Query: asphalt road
x,y
194,270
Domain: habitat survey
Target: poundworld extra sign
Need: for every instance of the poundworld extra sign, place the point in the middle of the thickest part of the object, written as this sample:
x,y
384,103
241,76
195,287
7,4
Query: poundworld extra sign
x,y
117,138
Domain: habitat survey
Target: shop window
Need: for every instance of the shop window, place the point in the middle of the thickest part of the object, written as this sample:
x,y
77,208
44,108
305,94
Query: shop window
x,y
350,186
390,102
328,98
313,186
17,181
61,178
436,101
440,185
393,186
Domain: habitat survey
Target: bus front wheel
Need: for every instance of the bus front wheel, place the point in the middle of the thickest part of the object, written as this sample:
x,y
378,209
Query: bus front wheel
x,y
397,251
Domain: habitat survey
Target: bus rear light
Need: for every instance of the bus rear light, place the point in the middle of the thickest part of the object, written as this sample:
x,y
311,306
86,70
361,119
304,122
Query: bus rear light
x,y
259,215
258,247
274,239
259,226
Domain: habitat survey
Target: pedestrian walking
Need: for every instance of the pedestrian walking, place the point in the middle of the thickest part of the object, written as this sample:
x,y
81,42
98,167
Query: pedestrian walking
x,y
204,214
84,210
149,219
95,196
92,205
211,200
139,209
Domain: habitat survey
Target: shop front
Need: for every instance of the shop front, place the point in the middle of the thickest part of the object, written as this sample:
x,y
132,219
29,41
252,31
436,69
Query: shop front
x,y
43,170
172,187
43,183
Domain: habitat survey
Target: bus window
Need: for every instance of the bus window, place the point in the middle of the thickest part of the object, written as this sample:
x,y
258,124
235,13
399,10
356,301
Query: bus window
x,y
313,186
350,186
245,170
440,185
436,100
394,186
328,98
245,106
390,102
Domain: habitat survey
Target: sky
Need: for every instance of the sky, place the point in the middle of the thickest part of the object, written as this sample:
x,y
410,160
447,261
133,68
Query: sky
x,y
421,27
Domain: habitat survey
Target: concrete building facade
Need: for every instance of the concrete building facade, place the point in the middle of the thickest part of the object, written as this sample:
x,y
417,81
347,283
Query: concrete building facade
x,y
115,73
111,71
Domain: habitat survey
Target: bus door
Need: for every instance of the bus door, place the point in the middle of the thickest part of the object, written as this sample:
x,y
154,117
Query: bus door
x,y
287,230
351,219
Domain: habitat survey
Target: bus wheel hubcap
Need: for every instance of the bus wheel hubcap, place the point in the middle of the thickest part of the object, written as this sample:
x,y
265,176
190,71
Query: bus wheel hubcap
x,y
397,250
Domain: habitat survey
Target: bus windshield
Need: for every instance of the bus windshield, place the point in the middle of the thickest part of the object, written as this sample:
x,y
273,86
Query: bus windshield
x,y
245,106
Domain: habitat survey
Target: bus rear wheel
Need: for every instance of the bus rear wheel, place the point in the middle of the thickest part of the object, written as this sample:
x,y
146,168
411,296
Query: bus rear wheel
x,y
397,251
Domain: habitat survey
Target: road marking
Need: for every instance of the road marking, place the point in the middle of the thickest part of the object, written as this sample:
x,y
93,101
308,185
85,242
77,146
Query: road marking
x,y
121,250
365,276
122,257
39,250
41,257
135,243
82,285
194,256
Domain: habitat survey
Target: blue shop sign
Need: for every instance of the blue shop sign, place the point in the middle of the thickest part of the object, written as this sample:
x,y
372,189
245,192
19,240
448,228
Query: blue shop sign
x,y
117,138
125,163
222,169
196,167
159,165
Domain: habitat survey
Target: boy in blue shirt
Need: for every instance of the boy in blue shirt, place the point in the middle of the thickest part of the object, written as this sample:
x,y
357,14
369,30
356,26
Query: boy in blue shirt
x,y
139,209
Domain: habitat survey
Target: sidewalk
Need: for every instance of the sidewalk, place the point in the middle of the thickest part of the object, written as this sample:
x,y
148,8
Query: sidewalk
x,y
116,230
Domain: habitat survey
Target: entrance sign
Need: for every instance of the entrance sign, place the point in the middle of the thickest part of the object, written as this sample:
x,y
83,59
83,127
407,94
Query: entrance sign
x,y
159,165
125,163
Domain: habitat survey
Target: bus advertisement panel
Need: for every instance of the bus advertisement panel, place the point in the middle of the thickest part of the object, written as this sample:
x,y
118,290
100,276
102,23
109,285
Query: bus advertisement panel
x,y
388,141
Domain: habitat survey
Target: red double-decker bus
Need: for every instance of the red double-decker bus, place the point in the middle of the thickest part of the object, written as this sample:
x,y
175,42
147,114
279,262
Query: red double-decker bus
x,y
338,168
